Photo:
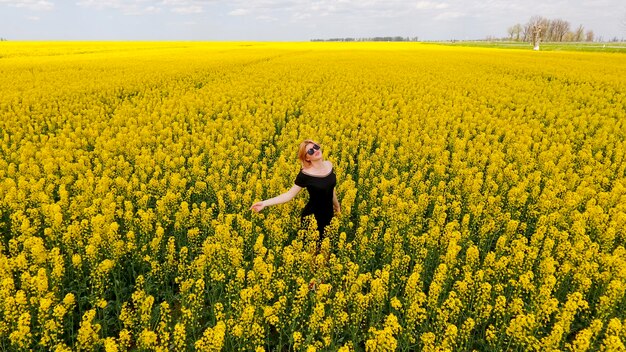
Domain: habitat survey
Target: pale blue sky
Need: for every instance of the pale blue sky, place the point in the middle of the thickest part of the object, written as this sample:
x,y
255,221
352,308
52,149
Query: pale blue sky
x,y
292,20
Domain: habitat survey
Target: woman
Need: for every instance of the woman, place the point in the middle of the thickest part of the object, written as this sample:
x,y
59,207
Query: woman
x,y
318,177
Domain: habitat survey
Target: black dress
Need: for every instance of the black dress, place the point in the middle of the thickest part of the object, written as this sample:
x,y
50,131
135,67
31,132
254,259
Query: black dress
x,y
320,197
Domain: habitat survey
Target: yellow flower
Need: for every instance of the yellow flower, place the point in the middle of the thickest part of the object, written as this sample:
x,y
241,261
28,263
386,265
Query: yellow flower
x,y
180,336
125,339
147,339
212,338
69,300
297,340
395,303
428,341
21,338
471,199
110,345
88,333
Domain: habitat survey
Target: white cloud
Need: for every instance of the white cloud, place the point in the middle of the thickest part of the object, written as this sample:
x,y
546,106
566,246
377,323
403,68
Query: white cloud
x,y
36,5
280,19
146,10
142,7
298,16
129,8
188,9
239,12
33,18
99,4
430,5
182,23
449,15
267,18
301,10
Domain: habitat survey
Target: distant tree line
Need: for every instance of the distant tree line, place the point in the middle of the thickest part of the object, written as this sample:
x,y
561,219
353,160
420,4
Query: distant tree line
x,y
547,30
3,39
373,39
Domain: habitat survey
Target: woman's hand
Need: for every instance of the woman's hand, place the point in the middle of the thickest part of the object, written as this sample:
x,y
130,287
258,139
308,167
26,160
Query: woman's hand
x,y
337,208
257,207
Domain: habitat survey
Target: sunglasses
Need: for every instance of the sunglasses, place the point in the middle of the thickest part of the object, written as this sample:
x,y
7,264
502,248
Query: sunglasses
x,y
311,151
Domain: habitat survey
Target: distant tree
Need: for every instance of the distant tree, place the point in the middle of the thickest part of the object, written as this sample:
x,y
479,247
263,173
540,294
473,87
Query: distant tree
x,y
526,33
535,29
370,39
515,32
539,29
589,36
373,39
511,32
579,34
549,31
559,29
569,37
518,31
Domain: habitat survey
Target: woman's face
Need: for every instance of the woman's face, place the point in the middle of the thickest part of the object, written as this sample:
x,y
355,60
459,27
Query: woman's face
x,y
317,153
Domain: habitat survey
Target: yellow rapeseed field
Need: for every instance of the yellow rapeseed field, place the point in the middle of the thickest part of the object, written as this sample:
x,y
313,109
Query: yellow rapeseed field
x,y
483,197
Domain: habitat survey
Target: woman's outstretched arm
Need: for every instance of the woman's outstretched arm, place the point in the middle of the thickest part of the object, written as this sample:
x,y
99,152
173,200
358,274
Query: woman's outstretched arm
x,y
283,198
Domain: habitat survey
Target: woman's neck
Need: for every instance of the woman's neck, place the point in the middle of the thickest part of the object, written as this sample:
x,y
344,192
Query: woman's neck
x,y
316,164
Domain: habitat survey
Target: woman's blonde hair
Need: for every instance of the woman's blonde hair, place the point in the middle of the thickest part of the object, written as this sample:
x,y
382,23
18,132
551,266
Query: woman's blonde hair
x,y
302,153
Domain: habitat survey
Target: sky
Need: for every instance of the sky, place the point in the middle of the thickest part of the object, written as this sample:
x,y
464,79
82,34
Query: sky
x,y
294,20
